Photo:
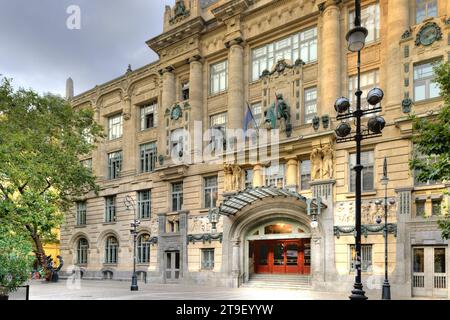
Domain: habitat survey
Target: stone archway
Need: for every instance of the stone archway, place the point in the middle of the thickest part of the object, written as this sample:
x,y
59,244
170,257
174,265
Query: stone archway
x,y
237,227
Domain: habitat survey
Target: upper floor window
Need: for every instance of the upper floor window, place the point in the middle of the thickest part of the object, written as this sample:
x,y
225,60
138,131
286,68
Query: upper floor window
x,y
424,85
257,111
430,160
177,196
370,19
275,176
144,204
210,192
81,213
219,77
185,90
369,80
110,209
148,156
176,143
305,174
115,127
367,174
218,126
87,163
301,45
248,178
149,115
425,9
114,164
310,104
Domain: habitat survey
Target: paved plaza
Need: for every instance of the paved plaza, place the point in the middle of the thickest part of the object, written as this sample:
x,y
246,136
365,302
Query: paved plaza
x,y
120,290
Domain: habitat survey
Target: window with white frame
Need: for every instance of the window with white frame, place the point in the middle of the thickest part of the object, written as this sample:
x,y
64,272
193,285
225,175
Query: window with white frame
x,y
185,90
110,209
310,104
424,85
143,248
366,257
148,156
275,176
87,163
218,126
248,178
115,126
302,45
219,77
144,204
370,19
176,143
207,259
114,164
210,192
429,161
257,112
367,174
177,196
81,213
305,174
149,115
369,80
82,251
111,250
426,9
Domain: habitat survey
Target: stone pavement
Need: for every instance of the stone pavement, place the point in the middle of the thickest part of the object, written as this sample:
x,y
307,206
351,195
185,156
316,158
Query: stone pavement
x,y
120,290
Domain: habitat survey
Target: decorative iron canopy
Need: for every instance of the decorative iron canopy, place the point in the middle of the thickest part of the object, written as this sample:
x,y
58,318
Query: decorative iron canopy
x,y
236,202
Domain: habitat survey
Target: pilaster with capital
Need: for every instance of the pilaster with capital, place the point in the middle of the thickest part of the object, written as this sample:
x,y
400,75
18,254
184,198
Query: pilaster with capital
x,y
292,174
196,94
235,84
168,99
129,125
330,63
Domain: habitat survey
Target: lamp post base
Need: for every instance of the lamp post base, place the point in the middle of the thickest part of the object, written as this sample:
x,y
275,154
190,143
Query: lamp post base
x,y
358,294
134,285
386,293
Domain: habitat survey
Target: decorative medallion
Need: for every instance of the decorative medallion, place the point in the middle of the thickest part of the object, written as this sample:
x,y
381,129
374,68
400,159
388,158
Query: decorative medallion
x,y
406,105
428,34
176,112
316,122
325,121
407,34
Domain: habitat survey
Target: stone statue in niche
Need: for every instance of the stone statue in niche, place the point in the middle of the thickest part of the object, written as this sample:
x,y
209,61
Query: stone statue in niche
x,y
279,110
327,162
228,177
233,177
316,164
237,173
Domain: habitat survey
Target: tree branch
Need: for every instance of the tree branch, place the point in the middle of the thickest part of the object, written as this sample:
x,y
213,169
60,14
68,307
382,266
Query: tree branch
x,y
47,187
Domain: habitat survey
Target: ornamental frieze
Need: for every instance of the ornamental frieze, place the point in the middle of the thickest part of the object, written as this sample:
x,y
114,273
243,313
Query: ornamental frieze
x,y
345,212
202,225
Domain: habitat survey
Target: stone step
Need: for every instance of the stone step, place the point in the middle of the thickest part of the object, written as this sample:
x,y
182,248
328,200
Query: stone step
x,y
278,281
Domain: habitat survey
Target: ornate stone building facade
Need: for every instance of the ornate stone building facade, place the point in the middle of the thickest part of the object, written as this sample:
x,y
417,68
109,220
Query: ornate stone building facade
x,y
226,224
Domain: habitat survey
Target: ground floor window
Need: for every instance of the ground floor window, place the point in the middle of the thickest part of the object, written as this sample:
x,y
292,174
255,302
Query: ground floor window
x,y
366,257
207,259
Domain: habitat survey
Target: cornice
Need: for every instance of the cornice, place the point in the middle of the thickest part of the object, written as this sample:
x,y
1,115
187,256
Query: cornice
x,y
328,3
187,29
231,9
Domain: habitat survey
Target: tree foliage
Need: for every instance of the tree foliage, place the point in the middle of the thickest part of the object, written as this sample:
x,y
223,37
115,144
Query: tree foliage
x,y
432,141
41,141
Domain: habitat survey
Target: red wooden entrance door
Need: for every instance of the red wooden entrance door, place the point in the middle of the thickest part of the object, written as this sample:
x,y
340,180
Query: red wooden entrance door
x,y
282,256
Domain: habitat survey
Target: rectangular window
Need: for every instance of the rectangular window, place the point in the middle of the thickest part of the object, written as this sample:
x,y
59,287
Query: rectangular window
x,y
81,213
177,196
177,142
210,192
424,85
310,104
257,112
420,208
148,156
429,160
370,19
110,209
114,164
185,90
275,176
218,128
144,203
366,257
301,45
207,259
425,9
369,80
436,207
115,127
87,163
305,174
219,77
149,115
248,178
367,175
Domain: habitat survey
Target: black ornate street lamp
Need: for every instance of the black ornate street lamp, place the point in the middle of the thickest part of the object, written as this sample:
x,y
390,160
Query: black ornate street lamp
x,y
356,41
386,292
129,204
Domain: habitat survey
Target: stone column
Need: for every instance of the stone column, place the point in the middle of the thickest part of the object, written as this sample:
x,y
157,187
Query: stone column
x,y
258,176
196,98
235,269
235,85
168,99
398,22
330,64
292,174
129,126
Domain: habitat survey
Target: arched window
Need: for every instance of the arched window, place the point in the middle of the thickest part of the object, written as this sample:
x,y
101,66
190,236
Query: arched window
x,y
111,249
82,251
143,248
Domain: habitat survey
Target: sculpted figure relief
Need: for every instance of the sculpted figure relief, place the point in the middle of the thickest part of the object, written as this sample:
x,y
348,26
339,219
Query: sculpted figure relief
x,y
316,164
228,177
327,163
237,173
322,163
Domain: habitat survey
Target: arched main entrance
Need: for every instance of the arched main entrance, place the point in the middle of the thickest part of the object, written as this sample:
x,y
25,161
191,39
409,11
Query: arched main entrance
x,y
279,247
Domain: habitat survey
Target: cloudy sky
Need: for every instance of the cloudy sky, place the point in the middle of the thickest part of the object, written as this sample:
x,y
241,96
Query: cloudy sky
x,y
38,51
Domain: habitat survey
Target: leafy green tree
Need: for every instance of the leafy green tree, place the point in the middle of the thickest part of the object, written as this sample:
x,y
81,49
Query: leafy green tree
x,y
41,140
432,141
16,260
